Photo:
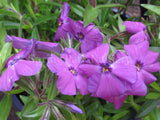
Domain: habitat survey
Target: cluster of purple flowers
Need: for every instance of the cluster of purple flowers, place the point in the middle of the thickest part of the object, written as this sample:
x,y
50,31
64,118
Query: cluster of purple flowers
x,y
89,71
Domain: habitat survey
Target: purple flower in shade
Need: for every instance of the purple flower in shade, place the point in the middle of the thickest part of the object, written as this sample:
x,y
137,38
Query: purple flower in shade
x,y
74,108
62,22
146,61
105,78
68,74
139,31
89,36
40,46
17,67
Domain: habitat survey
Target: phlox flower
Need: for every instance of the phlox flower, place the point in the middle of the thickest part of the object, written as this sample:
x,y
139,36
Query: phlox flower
x,y
106,79
89,36
69,78
146,61
139,31
16,67
62,22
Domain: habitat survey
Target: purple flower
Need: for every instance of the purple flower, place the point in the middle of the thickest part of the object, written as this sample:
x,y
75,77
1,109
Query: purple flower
x,y
139,31
89,36
146,61
62,22
40,46
106,78
17,67
68,74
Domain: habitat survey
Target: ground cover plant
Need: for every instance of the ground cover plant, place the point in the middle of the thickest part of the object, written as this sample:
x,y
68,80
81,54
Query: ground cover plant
x,y
79,60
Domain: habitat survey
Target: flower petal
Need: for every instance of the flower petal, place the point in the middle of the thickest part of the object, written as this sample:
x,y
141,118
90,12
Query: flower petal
x,y
105,85
125,69
8,78
99,54
137,52
72,57
82,84
74,108
28,68
48,46
66,83
65,10
55,64
147,77
88,69
118,100
134,27
119,54
150,58
152,67
138,38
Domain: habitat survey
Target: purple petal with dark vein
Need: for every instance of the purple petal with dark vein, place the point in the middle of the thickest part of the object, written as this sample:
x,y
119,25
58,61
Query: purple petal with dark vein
x,y
66,83
99,54
72,57
8,78
28,68
125,69
56,65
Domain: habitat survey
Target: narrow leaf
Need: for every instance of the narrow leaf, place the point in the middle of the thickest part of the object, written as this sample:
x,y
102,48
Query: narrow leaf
x,y
153,8
5,106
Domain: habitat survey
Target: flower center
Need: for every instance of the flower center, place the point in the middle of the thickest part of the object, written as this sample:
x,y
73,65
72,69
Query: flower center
x,y
80,36
73,71
60,23
106,67
138,65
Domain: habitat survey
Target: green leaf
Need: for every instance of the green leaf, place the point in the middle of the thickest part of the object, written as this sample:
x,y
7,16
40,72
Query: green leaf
x,y
153,8
155,49
17,91
119,115
35,33
120,25
5,106
30,104
155,114
153,95
90,14
52,90
44,19
155,86
2,34
4,54
110,6
10,25
9,13
77,9
20,26
35,114
147,107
